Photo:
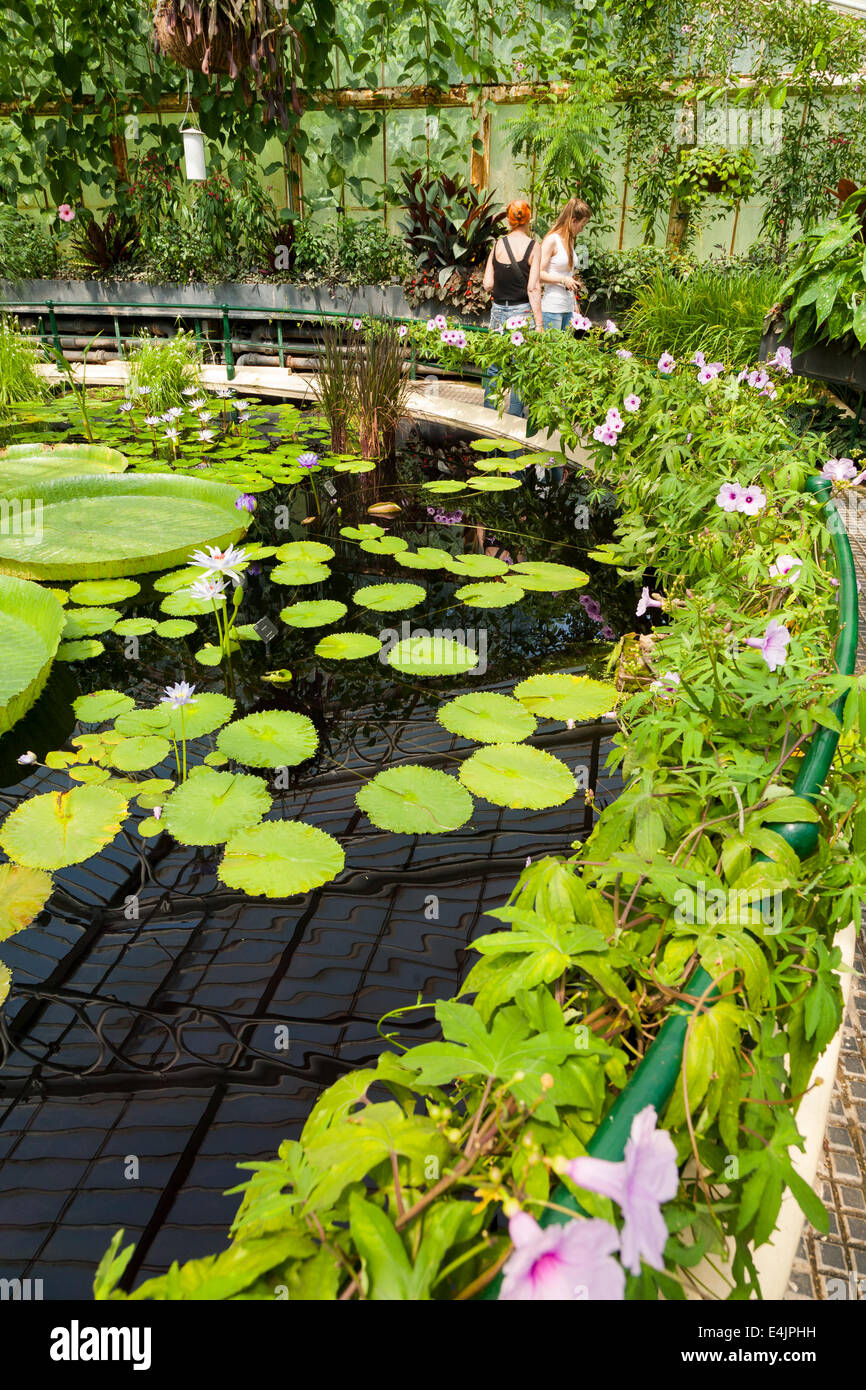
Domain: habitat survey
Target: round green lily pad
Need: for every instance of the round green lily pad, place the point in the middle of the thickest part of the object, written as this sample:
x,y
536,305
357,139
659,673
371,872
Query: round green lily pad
x,y
389,598
347,646
517,776
314,613
62,828
212,806
98,591
270,738
432,656
487,718
415,801
564,696
278,859
102,704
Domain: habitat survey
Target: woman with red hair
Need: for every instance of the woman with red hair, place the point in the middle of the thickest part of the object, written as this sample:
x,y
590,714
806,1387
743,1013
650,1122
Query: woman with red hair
x,y
511,276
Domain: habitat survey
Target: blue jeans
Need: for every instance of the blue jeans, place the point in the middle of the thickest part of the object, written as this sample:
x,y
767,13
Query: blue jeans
x,y
498,315
557,320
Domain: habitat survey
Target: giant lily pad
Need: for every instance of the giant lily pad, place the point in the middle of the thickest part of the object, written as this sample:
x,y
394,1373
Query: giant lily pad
x,y
563,696
271,738
546,577
415,800
280,858
31,621
212,806
23,893
62,828
101,527
38,463
518,776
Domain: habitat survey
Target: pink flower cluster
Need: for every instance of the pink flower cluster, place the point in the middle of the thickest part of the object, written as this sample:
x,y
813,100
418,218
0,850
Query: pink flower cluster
x,y
759,381
609,432
580,323
453,337
782,360
733,498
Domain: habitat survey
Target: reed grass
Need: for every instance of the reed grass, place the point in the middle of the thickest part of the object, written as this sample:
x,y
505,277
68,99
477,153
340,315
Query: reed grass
x,y
719,312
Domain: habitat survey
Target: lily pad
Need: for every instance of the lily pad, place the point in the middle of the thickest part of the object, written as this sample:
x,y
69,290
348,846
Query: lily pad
x,y
389,598
564,696
347,646
487,718
280,858
491,595
101,527
62,828
314,613
304,551
360,533
477,566
426,557
385,545
517,776
80,651
270,738
415,800
23,894
184,604
432,656
31,623
300,572
493,484
139,752
89,622
23,464
98,591
135,627
101,705
175,627
209,711
212,806
546,577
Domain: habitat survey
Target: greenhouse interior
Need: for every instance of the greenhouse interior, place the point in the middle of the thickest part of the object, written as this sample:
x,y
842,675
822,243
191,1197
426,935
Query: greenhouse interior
x,y
432,825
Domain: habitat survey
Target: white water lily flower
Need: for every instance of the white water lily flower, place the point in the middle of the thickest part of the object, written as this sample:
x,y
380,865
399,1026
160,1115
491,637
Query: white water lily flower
x,y
178,695
207,588
228,562
206,435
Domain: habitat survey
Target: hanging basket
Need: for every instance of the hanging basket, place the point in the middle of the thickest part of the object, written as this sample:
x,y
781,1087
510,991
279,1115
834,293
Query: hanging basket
x,y
227,52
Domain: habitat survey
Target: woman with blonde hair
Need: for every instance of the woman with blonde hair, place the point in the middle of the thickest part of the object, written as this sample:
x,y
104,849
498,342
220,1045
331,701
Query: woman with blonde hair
x,y
557,265
511,277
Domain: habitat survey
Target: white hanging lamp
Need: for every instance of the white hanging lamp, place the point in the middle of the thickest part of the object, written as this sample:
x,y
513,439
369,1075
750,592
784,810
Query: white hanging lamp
x,y
193,144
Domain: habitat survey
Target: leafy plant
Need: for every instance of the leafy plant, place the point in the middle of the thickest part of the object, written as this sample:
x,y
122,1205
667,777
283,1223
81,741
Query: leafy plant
x,y
335,385
717,312
100,250
381,391
704,171
826,290
449,224
163,368
19,356
27,251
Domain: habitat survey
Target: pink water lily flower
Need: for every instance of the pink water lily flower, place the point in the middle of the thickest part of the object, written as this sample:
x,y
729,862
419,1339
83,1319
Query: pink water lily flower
x,y
66,213
645,1179
729,497
563,1263
784,566
773,646
666,363
645,602
752,501
631,403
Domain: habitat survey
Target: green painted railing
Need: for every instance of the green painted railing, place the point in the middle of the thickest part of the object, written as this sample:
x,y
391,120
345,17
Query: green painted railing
x,y
653,1080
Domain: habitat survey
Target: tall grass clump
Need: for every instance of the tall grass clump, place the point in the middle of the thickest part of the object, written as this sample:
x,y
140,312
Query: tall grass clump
x,y
165,368
19,357
718,312
381,388
335,386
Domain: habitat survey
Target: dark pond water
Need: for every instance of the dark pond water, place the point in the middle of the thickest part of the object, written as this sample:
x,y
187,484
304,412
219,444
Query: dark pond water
x,y
163,1028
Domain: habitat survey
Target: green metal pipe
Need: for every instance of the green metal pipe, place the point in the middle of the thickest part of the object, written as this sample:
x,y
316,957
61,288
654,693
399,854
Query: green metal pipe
x,y
653,1080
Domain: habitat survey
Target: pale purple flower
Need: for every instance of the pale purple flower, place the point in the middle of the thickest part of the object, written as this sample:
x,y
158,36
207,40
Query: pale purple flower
x,y
203,416
610,326
308,460
624,353
591,606
782,359
645,1179
729,497
441,321
143,390
356,324
645,602
402,331
785,566
699,360
839,470
752,501
605,435
28,758
125,406
174,413
705,376
666,363
459,338
631,403
179,695
581,323
562,1263
246,502
432,325
172,435
189,391
206,436
207,588
517,338
152,420
515,321
157,810
773,646
607,633
614,420
667,685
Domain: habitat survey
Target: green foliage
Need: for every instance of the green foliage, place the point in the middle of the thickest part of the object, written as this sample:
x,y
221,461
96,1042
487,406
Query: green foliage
x,y
826,290
19,357
712,171
719,312
449,224
165,367
101,249
27,251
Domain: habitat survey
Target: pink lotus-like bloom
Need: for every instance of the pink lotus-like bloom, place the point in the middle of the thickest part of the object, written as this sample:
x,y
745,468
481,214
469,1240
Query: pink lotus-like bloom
x,y
624,353
666,363
729,497
66,213
839,470
785,566
645,602
752,501
645,1179
562,1263
631,403
773,646
517,337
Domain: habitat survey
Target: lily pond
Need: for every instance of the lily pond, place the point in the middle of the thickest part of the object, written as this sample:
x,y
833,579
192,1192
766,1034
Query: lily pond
x,y
274,741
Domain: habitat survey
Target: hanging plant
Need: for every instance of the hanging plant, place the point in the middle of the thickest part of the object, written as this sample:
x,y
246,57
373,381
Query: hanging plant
x,y
713,171
244,39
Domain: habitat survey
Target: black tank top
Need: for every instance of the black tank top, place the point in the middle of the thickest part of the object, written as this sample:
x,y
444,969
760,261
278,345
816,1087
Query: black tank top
x,y
511,281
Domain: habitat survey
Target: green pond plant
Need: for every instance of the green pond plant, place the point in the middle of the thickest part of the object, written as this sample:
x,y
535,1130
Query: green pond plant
x,y
398,1183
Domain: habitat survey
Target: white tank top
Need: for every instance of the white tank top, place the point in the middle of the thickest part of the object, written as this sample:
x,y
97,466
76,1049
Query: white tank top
x,y
556,299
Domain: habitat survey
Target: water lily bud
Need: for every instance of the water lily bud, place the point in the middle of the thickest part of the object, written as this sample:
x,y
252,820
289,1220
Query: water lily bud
x,y
157,812
27,759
